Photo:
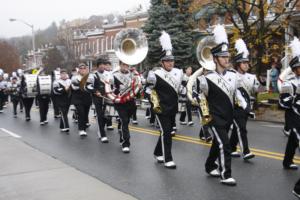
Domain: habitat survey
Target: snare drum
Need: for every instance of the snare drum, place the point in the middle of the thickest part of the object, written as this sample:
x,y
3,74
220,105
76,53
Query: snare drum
x,y
31,85
137,102
45,83
145,104
181,106
110,111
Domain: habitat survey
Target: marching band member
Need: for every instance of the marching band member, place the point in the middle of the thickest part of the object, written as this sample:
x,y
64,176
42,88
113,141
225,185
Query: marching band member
x,y
165,83
14,91
188,111
3,88
43,100
81,99
248,84
96,86
151,114
126,83
62,92
27,100
6,81
219,87
19,75
289,100
55,76
107,75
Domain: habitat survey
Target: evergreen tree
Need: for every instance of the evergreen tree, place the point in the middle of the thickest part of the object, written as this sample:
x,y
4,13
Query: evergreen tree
x,y
159,16
173,17
181,32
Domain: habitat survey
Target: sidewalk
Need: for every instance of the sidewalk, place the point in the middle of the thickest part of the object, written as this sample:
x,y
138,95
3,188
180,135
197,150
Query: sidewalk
x,y
28,174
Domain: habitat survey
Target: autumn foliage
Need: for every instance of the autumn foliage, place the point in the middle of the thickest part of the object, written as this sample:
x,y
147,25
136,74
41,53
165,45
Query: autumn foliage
x,y
9,57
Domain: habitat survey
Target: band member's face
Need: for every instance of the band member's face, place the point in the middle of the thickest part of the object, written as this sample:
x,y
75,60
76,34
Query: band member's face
x,y
188,71
83,70
101,68
168,64
244,66
297,71
223,61
107,67
63,75
124,67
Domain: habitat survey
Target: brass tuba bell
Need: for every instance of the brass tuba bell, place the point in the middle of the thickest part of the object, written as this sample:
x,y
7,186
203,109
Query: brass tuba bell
x,y
131,46
203,52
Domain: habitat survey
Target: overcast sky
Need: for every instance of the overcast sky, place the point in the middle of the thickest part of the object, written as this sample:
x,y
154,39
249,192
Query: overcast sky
x,y
41,13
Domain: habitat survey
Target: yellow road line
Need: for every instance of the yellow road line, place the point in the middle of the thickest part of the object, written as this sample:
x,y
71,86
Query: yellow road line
x,y
193,140
258,152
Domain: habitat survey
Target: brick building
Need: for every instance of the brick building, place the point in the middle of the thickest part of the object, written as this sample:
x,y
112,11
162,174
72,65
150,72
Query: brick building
x,y
89,44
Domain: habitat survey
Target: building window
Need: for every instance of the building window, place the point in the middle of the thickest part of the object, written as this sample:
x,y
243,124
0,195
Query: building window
x,y
98,45
102,46
106,45
111,42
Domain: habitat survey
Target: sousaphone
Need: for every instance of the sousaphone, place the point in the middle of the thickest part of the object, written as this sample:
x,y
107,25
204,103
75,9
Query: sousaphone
x,y
131,46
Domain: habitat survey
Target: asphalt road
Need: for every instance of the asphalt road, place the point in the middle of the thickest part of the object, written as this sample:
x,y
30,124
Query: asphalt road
x,y
137,173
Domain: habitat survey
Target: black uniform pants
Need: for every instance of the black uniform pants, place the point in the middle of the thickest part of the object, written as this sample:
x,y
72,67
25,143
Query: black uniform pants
x,y
204,132
15,102
99,108
2,100
188,112
83,116
108,121
291,146
221,150
239,134
21,104
44,107
55,106
152,114
28,102
64,121
125,112
134,117
286,122
164,143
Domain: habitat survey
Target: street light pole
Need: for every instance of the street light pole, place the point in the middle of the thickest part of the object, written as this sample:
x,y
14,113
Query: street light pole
x,y
33,37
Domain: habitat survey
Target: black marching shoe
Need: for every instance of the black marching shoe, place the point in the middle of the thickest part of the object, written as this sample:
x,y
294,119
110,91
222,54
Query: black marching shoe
x,y
214,173
170,165
291,166
173,133
235,154
248,156
228,181
297,194
286,132
159,159
104,139
125,149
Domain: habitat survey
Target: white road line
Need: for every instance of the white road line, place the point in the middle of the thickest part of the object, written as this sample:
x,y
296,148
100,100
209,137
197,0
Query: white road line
x,y
273,126
10,133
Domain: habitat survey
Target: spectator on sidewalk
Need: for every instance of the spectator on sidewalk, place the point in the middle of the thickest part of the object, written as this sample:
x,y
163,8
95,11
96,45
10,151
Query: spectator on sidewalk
x,y
274,74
